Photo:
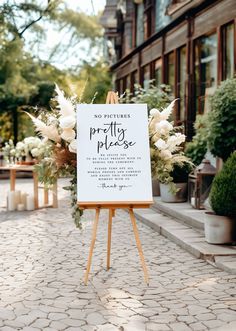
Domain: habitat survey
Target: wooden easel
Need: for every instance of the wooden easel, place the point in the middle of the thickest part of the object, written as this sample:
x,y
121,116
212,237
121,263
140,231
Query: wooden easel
x,y
112,98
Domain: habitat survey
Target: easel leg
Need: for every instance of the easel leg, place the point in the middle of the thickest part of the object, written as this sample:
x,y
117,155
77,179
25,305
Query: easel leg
x,y
111,214
92,245
132,217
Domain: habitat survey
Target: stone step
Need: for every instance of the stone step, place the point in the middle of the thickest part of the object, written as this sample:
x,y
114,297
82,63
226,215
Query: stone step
x,y
183,212
189,238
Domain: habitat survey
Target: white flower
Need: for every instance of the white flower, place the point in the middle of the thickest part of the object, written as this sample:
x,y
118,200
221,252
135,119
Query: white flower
x,y
35,152
160,144
20,145
175,140
12,152
165,154
73,146
163,127
154,112
68,135
31,142
180,138
67,122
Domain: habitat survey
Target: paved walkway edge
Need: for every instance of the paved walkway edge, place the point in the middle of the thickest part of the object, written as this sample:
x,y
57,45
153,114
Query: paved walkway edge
x,y
190,239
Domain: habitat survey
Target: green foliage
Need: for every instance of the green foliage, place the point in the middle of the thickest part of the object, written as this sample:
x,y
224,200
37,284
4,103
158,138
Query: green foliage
x,y
25,80
6,132
180,172
197,148
154,97
223,191
222,120
76,212
98,80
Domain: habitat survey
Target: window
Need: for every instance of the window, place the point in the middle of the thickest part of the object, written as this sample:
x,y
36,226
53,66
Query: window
x,y
170,71
182,75
134,80
139,24
118,87
146,76
148,18
157,72
160,14
124,85
205,71
228,51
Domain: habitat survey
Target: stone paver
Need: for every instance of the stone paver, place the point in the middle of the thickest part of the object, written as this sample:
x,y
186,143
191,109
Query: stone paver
x,y
42,263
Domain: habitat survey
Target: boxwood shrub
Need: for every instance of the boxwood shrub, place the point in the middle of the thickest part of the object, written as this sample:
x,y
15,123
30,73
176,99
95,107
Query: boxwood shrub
x,y
223,191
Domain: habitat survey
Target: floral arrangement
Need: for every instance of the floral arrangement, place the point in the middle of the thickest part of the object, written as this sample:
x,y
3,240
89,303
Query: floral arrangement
x,y
58,130
9,151
165,146
26,150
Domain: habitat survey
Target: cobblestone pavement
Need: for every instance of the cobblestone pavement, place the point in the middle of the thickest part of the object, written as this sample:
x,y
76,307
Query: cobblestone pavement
x,y
42,263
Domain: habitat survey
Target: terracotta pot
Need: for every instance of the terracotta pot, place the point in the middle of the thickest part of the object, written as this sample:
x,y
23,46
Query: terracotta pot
x,y
219,229
180,196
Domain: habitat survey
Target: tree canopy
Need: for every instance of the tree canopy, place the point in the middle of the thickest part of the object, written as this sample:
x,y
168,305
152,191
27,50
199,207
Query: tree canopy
x,y
26,79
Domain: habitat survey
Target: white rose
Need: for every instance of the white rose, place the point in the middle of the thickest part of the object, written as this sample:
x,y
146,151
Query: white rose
x,y
165,154
73,146
160,144
164,127
67,122
154,112
35,152
20,145
68,135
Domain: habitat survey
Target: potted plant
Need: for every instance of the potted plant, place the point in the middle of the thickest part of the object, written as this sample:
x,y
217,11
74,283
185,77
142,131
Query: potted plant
x,y
155,98
220,223
167,157
178,193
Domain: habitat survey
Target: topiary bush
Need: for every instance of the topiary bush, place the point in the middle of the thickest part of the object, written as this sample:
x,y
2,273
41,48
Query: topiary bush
x,y
197,148
222,120
223,191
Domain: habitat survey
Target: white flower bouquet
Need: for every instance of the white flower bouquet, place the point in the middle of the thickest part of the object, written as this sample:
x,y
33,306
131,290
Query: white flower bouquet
x,y
58,130
166,146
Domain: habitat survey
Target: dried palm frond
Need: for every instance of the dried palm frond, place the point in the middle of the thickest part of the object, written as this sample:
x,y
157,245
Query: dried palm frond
x,y
46,131
65,106
165,114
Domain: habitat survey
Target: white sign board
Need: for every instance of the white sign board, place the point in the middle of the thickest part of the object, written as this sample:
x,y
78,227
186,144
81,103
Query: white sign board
x,y
113,155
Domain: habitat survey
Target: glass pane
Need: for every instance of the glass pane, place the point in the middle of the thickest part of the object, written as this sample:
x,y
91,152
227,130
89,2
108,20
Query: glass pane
x,y
229,51
135,77
161,18
205,71
171,71
182,81
158,80
128,82
146,77
139,24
